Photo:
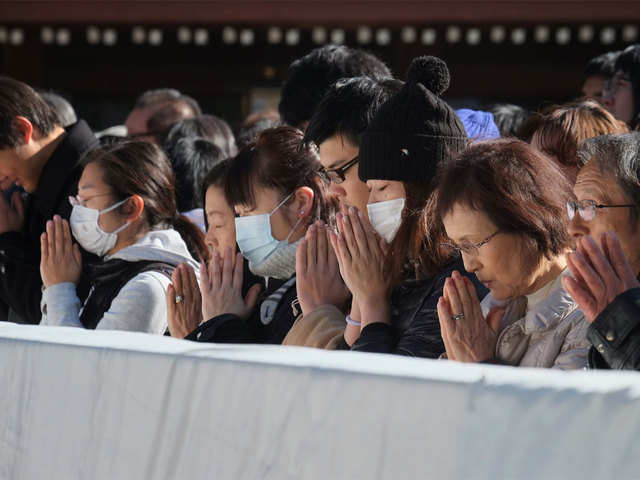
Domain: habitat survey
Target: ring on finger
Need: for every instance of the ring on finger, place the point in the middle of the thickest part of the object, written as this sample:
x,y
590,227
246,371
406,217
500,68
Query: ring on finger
x,y
457,316
179,298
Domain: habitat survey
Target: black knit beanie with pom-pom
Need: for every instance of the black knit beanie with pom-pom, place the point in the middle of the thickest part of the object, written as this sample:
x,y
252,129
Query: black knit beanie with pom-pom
x,y
414,131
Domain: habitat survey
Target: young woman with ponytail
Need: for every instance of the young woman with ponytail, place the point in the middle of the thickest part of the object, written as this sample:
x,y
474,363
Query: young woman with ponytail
x,y
125,214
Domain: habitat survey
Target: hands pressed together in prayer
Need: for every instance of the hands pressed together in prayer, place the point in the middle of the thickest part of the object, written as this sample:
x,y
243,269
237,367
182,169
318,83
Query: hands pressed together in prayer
x,y
361,255
599,275
468,336
333,267
219,292
318,279
221,284
60,258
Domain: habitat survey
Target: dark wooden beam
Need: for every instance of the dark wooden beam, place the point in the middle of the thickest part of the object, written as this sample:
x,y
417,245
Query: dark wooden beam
x,y
312,12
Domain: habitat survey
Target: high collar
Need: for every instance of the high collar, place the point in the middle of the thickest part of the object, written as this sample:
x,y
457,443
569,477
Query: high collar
x,y
536,297
63,166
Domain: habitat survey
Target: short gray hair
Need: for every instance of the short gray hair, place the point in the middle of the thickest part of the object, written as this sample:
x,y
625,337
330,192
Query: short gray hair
x,y
62,108
618,155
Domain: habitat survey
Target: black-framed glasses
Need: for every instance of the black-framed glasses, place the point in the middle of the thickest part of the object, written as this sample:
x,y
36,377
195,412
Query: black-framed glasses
x,y
587,208
469,248
336,175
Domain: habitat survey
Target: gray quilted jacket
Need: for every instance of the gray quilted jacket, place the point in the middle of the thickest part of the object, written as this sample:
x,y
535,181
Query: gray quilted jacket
x,y
551,334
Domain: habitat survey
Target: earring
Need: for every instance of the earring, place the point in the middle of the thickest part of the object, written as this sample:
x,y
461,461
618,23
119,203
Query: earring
x,y
301,212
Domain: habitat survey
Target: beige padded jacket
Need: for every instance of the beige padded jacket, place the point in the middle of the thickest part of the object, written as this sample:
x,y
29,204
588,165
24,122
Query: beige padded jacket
x,y
322,328
552,334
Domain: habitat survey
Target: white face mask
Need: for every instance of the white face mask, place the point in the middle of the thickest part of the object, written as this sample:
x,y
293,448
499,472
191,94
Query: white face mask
x,y
267,256
281,264
87,232
386,217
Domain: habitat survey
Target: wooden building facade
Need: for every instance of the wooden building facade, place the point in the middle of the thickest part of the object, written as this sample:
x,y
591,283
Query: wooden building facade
x,y
232,55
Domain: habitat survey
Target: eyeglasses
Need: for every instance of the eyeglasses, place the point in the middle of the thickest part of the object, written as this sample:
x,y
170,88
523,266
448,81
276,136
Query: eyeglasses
x,y
77,200
336,175
587,209
469,248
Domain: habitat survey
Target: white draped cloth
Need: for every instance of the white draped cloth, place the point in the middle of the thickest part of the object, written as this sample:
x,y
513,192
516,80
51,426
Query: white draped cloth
x,y
79,404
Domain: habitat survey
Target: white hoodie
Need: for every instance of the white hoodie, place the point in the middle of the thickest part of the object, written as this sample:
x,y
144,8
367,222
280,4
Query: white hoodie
x,y
141,303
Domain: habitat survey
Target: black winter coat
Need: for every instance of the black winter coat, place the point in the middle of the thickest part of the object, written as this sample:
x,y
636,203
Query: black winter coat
x,y
20,282
615,334
280,295
415,329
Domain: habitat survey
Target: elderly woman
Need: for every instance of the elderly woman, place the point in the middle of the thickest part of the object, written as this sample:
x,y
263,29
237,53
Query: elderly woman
x,y
605,223
502,204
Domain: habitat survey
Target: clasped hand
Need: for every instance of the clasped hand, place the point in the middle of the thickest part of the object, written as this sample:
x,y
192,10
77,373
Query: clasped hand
x,y
318,280
221,284
599,275
467,335
220,292
60,258
362,256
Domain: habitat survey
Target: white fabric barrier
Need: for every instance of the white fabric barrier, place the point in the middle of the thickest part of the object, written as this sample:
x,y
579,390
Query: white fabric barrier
x,y
81,404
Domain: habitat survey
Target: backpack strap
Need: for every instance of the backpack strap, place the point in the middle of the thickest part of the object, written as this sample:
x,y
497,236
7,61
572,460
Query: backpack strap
x,y
105,289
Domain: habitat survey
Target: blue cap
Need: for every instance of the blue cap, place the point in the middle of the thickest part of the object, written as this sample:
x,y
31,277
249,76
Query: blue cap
x,y
478,124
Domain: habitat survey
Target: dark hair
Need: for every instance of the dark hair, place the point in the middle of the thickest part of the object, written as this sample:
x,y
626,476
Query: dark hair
x,y
279,159
62,108
509,118
216,177
191,159
250,131
603,65
415,250
18,99
141,168
162,96
348,107
521,190
165,117
309,77
629,63
208,127
618,155
561,129
110,140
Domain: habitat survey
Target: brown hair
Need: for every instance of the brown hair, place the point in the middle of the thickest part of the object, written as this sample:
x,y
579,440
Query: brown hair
x,y
560,129
415,251
522,191
279,159
141,168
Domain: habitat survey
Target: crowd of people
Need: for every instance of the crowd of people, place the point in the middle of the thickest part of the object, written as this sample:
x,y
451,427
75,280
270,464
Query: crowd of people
x,y
367,214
